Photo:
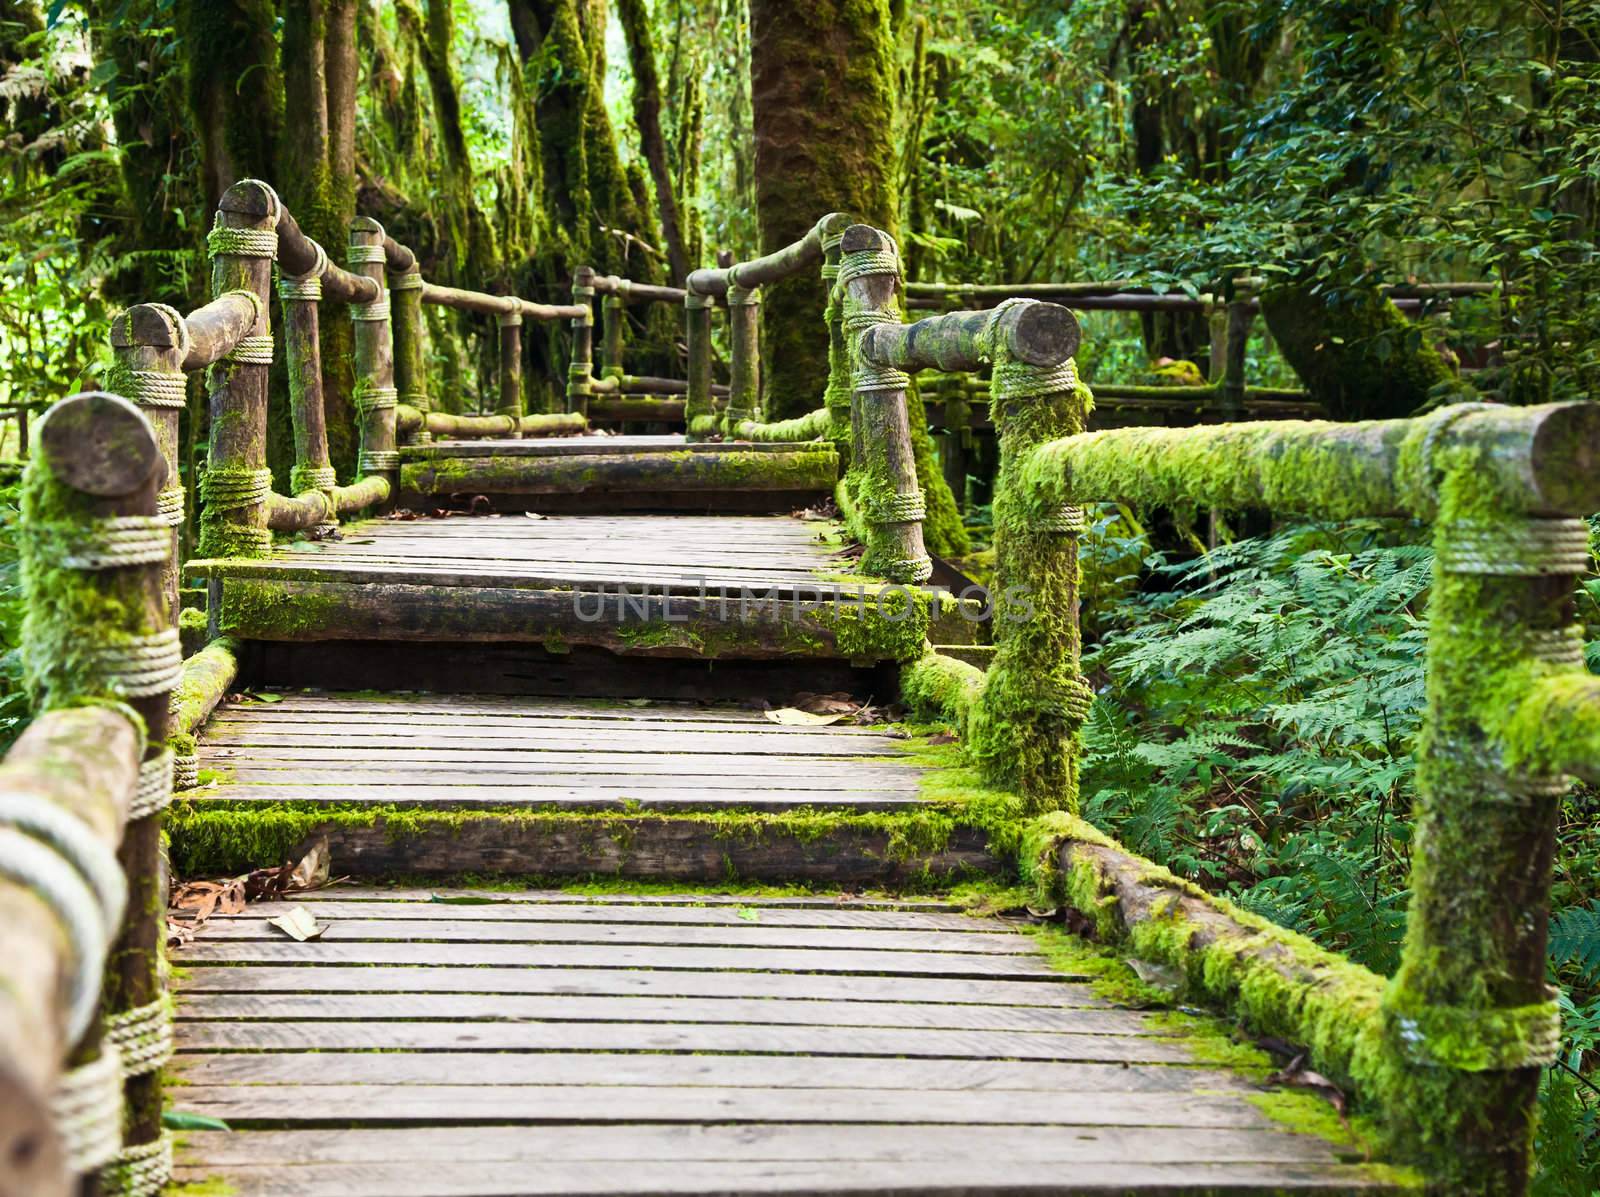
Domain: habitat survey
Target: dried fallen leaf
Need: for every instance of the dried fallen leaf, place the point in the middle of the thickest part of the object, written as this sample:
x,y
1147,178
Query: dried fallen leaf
x,y
944,737
297,924
1295,1073
1157,976
792,717
313,869
534,515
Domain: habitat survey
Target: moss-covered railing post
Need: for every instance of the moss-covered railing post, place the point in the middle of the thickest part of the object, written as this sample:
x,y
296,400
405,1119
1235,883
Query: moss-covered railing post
x,y
243,243
301,297
885,493
1469,1015
1023,732
511,403
838,393
376,394
744,357
699,408
150,343
581,364
1236,344
410,346
613,328
98,630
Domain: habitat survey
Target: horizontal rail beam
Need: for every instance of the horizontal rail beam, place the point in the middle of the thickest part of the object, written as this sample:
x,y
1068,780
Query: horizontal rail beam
x,y
1040,334
770,268
299,254
498,305
1541,461
632,292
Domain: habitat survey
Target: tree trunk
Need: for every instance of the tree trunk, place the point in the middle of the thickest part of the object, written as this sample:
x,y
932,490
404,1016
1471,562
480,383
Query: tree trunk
x,y
647,115
235,88
822,98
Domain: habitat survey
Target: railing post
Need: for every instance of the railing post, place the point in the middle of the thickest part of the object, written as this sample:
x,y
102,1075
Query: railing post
x,y
836,395
957,419
97,629
150,342
243,243
410,346
883,466
510,404
1469,1017
613,329
1023,731
1241,315
744,357
376,394
699,408
301,296
581,366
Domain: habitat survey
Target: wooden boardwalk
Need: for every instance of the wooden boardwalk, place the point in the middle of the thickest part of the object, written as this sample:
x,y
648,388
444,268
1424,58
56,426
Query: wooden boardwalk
x,y
537,1043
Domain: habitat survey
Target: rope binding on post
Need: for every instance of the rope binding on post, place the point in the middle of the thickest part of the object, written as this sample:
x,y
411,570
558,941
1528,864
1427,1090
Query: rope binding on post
x,y
378,461
411,280
859,316
141,665
142,1036
235,486
141,1170
241,243
154,792
87,1110
252,351
118,541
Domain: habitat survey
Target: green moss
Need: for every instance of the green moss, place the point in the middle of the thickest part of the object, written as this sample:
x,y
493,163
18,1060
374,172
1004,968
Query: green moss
x,y
201,1188
802,428
813,469
1174,374
261,610
939,687
890,624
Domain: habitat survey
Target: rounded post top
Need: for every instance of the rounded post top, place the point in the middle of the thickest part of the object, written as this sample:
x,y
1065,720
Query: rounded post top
x,y
863,238
100,444
1039,333
253,199
152,324
365,231
834,225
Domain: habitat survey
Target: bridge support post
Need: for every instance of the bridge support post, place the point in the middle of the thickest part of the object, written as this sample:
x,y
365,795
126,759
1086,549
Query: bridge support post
x,y
410,346
98,629
744,357
699,408
301,296
1024,727
150,342
836,396
376,394
883,466
511,404
580,368
243,243
1469,1018
613,330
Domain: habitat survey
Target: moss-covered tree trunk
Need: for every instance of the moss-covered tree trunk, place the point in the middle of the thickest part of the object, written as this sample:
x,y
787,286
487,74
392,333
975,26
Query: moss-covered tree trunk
x,y
1356,353
822,97
635,18
235,88
315,177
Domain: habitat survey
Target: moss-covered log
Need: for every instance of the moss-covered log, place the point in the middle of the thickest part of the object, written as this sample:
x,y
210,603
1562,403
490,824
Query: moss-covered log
x,y
408,421
812,470
1358,356
822,92
1540,460
273,602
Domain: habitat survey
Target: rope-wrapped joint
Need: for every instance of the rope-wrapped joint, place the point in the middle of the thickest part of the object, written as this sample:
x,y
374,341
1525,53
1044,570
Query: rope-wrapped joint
x,y
241,243
411,280
252,351
140,1170
308,478
909,508
185,771
377,310
1515,547
362,255
142,1036
153,794
87,1110
232,487
169,506
376,399
694,300
154,388
375,461
1473,1039
118,542
509,319
140,666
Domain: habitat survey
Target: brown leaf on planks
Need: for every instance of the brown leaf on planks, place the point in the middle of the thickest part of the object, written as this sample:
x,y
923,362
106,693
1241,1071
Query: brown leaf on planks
x,y
193,902
298,924
1296,1073
403,513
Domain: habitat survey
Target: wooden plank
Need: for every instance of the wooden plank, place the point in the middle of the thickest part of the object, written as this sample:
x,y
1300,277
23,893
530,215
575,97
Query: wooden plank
x,y
676,1037
645,1069
836,1141
742,743
402,714
244,768
761,900
578,446
621,799
1067,1018
870,771
636,983
971,1178
610,1104
377,905
751,934
498,955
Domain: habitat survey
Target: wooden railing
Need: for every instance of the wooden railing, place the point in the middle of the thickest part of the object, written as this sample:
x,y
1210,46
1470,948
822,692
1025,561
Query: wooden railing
x,y
85,1024
1447,1054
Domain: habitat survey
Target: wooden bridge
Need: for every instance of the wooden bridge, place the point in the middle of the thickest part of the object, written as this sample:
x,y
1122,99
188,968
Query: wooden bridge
x,y
508,656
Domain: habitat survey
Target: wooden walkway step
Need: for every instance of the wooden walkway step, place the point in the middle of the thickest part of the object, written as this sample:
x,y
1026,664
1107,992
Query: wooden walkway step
x,y
620,473
739,587
454,784
690,1045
